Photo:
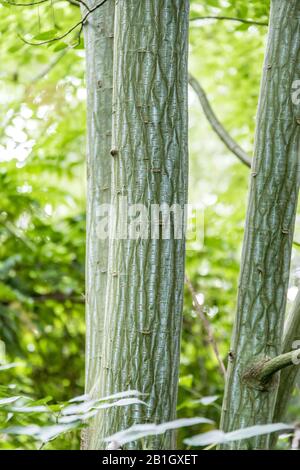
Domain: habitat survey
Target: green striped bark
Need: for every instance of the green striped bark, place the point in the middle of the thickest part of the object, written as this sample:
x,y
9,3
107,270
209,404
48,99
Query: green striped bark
x,y
288,376
143,310
269,231
99,31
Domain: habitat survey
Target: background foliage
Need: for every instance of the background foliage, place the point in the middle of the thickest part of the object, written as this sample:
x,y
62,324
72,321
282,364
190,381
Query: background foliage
x,y
42,206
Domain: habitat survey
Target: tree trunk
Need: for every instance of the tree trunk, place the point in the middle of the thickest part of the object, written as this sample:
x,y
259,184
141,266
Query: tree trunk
x,y
288,376
99,32
143,309
269,231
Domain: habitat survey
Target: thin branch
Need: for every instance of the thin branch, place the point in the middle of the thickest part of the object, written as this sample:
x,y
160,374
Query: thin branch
x,y
77,3
15,232
296,439
206,325
16,4
80,24
230,143
57,38
277,363
59,297
39,2
50,66
229,18
261,374
288,377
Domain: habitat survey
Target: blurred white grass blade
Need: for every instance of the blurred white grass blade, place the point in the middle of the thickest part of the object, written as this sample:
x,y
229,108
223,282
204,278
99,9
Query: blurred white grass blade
x,y
12,365
139,431
207,438
219,437
124,402
79,399
94,404
73,418
208,400
30,409
40,433
127,393
7,401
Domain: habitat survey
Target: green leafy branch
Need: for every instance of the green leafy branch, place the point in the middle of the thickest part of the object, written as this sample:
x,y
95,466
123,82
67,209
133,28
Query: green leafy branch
x,y
60,417
39,2
80,24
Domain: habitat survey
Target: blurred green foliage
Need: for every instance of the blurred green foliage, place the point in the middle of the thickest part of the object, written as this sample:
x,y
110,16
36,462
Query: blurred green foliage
x,y
42,203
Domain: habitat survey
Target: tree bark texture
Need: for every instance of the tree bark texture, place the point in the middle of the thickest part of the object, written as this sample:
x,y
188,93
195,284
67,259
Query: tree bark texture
x,y
143,307
288,376
269,229
99,44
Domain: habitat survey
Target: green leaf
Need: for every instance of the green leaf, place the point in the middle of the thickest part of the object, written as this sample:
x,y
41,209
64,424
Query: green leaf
x,y
60,46
79,45
50,34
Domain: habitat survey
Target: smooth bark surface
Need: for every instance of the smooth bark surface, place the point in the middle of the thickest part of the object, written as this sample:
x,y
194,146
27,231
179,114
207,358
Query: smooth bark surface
x,y
143,310
269,229
99,32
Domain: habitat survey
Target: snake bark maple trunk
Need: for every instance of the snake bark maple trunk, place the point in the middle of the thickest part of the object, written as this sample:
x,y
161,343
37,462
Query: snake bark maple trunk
x,y
269,229
99,45
143,308
288,376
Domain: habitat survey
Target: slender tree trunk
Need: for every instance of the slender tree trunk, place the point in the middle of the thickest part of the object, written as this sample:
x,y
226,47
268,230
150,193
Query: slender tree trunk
x,y
99,32
288,376
143,309
269,231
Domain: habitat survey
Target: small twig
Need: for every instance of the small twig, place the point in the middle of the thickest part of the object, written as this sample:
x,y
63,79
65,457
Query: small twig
x,y
206,325
17,234
39,2
296,439
59,297
80,24
260,375
49,67
230,143
77,3
53,14
17,4
229,18
277,363
288,376
39,18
